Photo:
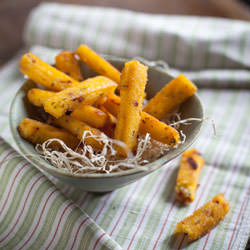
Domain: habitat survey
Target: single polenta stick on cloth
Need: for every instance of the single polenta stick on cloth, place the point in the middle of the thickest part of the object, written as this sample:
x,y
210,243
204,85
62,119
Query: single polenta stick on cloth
x,y
170,97
97,63
67,63
86,93
188,175
158,130
86,113
77,128
37,133
203,220
44,74
132,86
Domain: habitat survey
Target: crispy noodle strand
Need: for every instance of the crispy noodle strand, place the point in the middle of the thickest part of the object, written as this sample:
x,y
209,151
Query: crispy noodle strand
x,y
84,159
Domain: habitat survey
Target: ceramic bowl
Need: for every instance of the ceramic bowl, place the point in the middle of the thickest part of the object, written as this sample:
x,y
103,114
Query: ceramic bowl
x,y
158,76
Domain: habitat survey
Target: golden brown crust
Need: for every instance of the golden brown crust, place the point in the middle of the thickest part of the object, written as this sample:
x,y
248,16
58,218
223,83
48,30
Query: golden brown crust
x,y
170,97
68,64
97,63
37,133
132,87
188,175
203,220
44,74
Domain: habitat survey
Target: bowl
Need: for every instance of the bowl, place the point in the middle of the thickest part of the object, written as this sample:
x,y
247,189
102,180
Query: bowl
x,y
158,76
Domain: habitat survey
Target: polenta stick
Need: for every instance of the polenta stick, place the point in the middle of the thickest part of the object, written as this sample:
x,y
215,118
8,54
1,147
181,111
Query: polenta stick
x,y
77,128
203,220
91,115
67,63
132,86
38,97
44,74
86,113
97,63
170,97
158,130
37,133
188,175
87,93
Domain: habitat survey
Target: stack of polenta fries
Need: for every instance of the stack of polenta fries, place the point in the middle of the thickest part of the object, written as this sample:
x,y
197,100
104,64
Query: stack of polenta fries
x,y
110,103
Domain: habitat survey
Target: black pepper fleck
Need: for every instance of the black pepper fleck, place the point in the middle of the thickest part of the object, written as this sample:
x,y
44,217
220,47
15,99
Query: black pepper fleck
x,y
192,163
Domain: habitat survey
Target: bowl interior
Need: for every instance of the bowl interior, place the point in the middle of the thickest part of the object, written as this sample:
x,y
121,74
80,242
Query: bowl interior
x,y
157,78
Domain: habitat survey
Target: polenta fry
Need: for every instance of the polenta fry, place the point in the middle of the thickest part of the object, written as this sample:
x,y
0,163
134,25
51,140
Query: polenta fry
x,y
97,63
44,74
67,63
203,220
132,86
170,97
37,133
158,130
188,175
77,128
38,97
91,115
86,113
86,93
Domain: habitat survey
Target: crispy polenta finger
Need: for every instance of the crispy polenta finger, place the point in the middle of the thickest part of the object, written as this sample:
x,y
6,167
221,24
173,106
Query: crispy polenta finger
x,y
67,63
86,113
86,93
158,130
38,97
188,175
37,133
77,128
91,115
109,128
97,63
132,86
203,220
44,74
170,97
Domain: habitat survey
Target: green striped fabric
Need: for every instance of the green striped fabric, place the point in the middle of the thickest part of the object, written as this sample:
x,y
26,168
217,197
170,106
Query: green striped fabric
x,y
214,53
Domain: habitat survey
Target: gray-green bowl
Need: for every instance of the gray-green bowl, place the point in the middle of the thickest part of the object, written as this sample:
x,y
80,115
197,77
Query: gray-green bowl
x,y
158,77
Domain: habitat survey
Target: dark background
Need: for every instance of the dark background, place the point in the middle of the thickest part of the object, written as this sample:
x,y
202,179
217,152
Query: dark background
x,y
13,14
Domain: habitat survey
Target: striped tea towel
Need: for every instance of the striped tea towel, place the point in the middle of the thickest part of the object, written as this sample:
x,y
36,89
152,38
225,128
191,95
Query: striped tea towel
x,y
214,53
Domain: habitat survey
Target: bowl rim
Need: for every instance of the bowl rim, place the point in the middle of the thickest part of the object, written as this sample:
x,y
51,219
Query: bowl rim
x,y
43,165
